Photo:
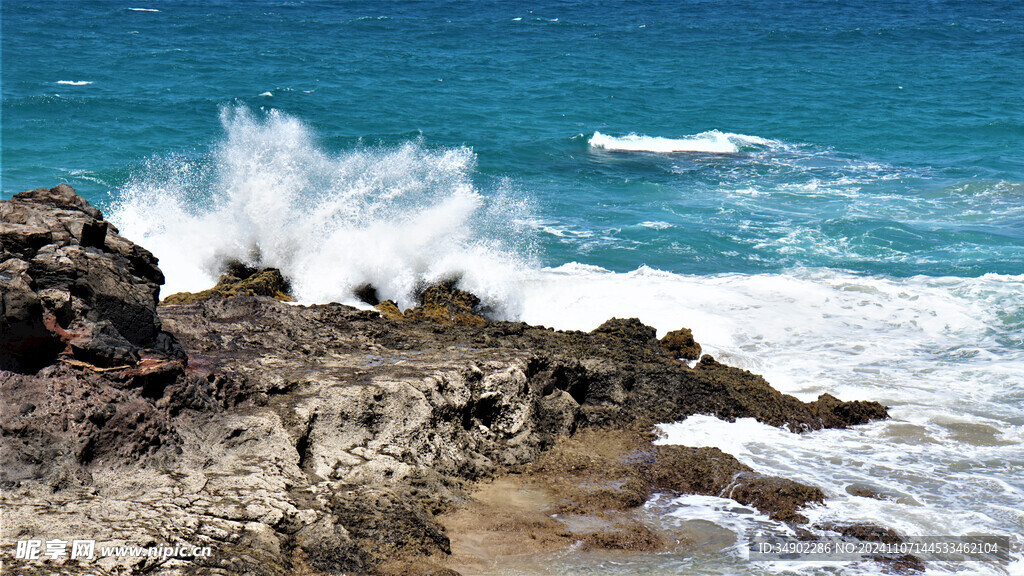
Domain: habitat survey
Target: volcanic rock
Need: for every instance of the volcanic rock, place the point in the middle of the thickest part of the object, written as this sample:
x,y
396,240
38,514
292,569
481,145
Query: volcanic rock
x,y
73,287
779,497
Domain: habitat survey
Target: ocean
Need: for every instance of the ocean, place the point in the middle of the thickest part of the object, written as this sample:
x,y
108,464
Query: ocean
x,y
828,193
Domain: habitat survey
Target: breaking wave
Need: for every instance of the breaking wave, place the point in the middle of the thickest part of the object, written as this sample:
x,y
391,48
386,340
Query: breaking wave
x,y
711,142
268,195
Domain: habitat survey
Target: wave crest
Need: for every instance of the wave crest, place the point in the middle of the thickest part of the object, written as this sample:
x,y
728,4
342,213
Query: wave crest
x,y
711,142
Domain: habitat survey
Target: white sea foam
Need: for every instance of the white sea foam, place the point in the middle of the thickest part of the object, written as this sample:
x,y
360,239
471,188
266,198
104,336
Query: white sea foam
x,y
775,323
88,176
143,9
74,82
395,218
944,354
931,486
711,142
656,225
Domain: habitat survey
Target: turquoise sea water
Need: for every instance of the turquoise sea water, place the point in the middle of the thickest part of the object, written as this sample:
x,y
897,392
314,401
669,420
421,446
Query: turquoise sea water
x,y
902,122
830,193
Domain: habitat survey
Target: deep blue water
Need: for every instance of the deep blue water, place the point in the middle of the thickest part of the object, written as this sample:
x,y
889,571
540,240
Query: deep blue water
x,y
899,125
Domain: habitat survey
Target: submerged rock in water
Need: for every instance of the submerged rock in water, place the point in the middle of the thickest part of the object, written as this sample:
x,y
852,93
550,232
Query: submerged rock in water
x,y
780,498
834,413
239,280
711,472
72,287
606,470
864,532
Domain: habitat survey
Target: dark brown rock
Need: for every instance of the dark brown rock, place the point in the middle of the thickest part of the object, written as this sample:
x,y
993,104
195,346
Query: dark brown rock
x,y
23,240
440,303
711,472
688,470
597,471
367,294
26,343
72,285
865,532
631,538
62,197
387,522
905,564
780,498
94,234
102,345
902,564
834,413
740,393
81,415
680,344
864,492
389,309
630,330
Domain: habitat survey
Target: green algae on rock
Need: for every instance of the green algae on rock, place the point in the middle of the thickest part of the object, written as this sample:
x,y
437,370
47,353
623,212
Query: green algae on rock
x,y
442,303
680,344
239,280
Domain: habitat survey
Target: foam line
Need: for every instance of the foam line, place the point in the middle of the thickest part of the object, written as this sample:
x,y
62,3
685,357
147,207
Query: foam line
x,y
711,142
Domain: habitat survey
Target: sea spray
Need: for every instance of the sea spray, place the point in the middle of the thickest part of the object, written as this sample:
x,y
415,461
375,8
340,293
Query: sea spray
x,y
269,195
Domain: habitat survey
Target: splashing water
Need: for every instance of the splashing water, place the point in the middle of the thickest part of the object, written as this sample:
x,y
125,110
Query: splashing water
x,y
395,218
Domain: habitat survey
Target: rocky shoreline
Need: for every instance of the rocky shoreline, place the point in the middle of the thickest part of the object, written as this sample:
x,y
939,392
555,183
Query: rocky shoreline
x,y
328,439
